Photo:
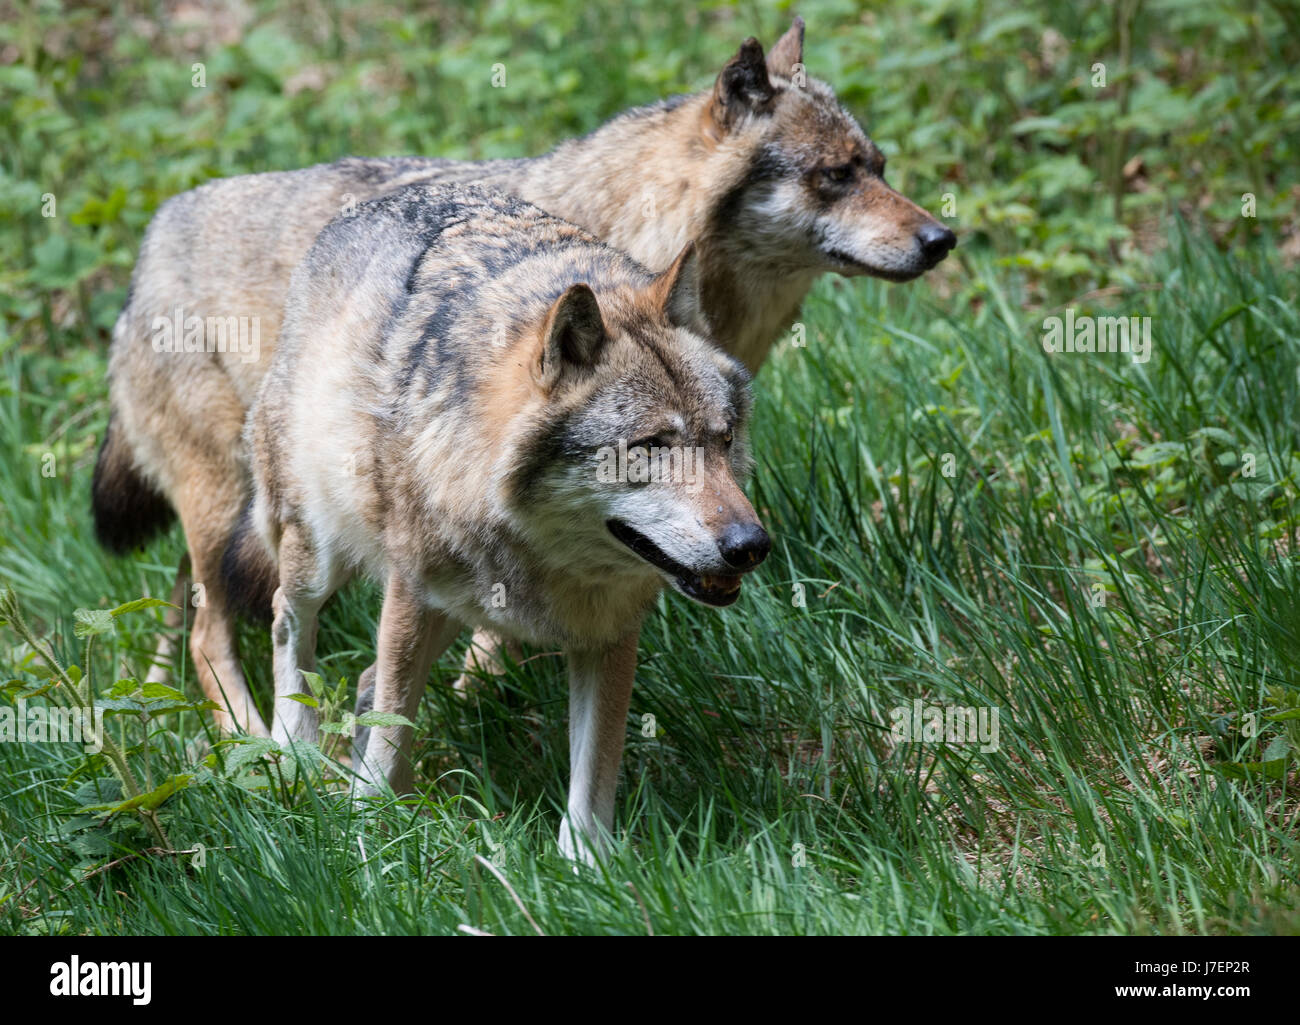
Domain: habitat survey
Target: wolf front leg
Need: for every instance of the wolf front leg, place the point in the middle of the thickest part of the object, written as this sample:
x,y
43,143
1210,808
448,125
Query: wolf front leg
x,y
306,581
411,637
293,649
600,691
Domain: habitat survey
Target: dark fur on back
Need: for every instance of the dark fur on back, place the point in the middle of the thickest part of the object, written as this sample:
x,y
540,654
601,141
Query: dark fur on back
x,y
128,510
249,572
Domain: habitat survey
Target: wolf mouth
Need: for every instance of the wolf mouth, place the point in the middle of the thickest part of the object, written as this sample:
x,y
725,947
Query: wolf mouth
x,y
711,588
840,256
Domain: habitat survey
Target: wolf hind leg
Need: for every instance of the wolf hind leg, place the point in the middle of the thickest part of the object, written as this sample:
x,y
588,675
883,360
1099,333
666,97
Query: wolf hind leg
x,y
207,521
162,668
365,703
485,655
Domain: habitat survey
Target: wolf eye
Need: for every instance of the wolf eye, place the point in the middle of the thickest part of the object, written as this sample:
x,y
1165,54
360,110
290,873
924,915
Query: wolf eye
x,y
838,175
654,441
727,437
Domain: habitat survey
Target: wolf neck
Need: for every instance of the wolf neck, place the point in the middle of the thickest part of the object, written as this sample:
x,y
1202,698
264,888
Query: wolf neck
x,y
647,183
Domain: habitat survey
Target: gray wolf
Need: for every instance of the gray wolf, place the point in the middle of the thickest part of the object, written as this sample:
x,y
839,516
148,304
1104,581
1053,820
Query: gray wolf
x,y
453,368
776,183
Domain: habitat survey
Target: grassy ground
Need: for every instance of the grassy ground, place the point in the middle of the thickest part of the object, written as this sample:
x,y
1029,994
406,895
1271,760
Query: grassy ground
x,y
1101,551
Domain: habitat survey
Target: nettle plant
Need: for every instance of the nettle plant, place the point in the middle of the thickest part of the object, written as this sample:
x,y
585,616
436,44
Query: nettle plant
x,y
120,789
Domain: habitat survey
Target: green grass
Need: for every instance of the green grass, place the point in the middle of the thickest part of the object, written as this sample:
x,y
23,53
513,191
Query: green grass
x,y
1143,782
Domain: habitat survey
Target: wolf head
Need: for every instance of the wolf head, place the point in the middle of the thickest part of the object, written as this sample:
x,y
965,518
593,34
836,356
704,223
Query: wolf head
x,y
808,182
637,457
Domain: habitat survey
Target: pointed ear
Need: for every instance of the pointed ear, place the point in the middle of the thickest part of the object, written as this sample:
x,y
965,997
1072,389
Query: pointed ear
x,y
787,52
572,336
743,86
677,292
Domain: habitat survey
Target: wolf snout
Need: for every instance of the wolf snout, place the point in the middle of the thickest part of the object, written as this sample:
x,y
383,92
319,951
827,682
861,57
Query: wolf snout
x,y
936,242
744,545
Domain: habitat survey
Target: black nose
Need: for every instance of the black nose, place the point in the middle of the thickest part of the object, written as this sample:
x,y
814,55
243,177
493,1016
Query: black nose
x,y
744,545
936,241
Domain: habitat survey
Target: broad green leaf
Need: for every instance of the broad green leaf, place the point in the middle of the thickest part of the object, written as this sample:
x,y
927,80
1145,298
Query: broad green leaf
x,y
140,603
384,719
145,802
344,726
92,622
314,681
250,750
40,670
161,690
1160,452
119,706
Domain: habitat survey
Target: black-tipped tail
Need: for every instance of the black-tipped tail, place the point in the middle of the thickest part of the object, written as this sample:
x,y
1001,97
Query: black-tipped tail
x,y
128,510
248,570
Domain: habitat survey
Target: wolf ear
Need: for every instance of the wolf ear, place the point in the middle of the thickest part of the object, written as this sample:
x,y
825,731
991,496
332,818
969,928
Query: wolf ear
x,y
572,337
677,292
787,52
743,86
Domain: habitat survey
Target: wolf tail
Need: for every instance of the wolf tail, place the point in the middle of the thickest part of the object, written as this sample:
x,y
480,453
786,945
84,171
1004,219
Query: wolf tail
x,y
128,509
249,571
